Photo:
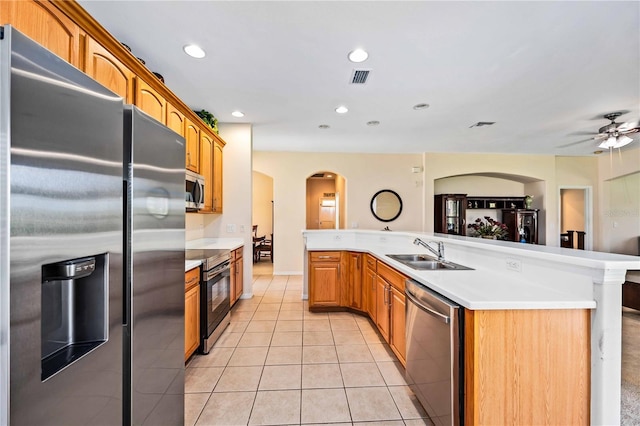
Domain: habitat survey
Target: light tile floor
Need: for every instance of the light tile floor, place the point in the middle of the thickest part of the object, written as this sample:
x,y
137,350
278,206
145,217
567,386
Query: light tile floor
x,y
279,364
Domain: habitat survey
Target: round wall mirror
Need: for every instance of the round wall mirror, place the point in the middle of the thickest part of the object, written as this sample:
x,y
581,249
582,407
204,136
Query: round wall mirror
x,y
386,205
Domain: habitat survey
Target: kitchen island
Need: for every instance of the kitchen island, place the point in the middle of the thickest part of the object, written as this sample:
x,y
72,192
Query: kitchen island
x,y
517,277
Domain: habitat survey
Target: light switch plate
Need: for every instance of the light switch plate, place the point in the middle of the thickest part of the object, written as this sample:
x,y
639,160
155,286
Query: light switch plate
x,y
231,228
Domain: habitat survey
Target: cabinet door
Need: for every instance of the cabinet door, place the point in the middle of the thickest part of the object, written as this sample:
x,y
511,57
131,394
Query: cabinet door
x,y
217,178
382,307
191,320
206,170
239,274
355,281
369,287
175,120
324,284
397,339
232,283
107,70
44,23
449,213
150,101
192,140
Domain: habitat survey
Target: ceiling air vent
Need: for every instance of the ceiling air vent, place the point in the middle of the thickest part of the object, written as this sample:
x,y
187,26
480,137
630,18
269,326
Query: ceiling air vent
x,y
359,76
317,175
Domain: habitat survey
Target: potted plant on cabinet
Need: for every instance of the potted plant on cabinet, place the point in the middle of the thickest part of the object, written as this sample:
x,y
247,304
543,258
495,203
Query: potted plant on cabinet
x,y
489,228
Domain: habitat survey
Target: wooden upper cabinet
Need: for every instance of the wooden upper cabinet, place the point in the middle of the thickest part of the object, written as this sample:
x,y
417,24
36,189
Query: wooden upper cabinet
x,y
175,120
206,170
192,140
107,70
150,101
217,177
44,23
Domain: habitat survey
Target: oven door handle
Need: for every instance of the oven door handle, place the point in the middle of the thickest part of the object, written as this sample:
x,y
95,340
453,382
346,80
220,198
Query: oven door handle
x,y
217,270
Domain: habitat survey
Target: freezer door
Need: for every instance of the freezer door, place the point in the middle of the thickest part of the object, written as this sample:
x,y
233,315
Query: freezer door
x,y
155,277
63,135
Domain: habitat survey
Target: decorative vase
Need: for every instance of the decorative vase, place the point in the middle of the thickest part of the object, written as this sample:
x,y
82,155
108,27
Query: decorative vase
x,y
527,201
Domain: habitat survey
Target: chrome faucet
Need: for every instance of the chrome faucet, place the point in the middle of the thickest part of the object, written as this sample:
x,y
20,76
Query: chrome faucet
x,y
439,252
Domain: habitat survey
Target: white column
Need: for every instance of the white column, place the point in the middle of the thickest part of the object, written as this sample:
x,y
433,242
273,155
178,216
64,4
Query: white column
x,y
606,347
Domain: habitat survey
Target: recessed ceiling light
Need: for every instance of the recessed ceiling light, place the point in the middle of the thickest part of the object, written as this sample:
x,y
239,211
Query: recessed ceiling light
x,y
323,126
421,106
358,55
342,109
237,114
329,176
194,51
373,123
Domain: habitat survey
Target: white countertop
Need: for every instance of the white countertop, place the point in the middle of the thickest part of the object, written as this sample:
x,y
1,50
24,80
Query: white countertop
x,y
215,243
490,285
190,264
210,243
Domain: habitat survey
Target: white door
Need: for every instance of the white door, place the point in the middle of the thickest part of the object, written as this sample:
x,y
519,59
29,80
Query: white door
x,y
327,214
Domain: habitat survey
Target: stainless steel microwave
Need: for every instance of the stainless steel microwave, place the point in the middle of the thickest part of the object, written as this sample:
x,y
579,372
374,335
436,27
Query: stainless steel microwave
x,y
194,191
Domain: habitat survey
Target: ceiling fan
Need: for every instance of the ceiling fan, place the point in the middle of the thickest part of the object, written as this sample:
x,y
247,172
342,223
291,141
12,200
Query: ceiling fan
x,y
612,135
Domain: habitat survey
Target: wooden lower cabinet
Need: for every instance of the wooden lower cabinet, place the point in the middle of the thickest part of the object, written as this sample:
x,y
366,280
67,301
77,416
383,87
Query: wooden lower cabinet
x,y
397,338
237,274
324,279
369,287
191,312
527,367
354,289
382,307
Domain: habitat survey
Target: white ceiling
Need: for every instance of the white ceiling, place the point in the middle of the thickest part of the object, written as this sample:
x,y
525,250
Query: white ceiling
x,y
541,70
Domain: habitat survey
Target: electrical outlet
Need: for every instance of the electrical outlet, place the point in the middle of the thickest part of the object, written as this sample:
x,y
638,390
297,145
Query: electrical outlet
x,y
242,229
513,264
231,228
354,224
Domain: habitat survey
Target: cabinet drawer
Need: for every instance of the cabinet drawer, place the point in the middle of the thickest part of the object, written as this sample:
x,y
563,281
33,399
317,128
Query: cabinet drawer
x,y
371,262
191,278
392,276
324,256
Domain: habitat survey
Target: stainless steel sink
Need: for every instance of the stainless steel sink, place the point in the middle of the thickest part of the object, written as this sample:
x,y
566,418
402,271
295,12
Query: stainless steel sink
x,y
426,262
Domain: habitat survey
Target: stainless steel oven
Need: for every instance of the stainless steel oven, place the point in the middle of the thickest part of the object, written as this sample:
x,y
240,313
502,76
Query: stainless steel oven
x,y
215,294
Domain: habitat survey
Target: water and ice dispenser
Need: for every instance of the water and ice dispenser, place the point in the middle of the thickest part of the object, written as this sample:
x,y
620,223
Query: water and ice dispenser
x,y
74,310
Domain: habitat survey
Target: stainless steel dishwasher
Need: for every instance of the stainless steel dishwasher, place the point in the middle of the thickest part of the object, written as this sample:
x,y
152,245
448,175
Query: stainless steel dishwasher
x,y
434,353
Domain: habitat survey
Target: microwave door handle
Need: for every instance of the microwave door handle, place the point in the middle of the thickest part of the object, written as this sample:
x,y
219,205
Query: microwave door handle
x,y
201,186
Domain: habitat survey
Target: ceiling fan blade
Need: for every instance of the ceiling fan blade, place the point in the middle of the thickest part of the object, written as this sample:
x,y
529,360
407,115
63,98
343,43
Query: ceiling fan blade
x,y
576,143
629,126
582,133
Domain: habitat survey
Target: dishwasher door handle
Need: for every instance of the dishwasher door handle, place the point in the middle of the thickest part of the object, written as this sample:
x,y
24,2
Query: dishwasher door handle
x,y
444,318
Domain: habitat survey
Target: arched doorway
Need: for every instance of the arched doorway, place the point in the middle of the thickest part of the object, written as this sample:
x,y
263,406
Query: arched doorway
x,y
325,201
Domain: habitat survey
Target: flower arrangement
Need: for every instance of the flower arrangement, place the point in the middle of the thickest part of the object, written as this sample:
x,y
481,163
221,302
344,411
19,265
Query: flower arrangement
x,y
490,228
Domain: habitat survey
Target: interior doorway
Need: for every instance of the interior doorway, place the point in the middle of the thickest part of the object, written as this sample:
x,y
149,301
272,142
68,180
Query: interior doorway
x,y
576,228
325,196
262,217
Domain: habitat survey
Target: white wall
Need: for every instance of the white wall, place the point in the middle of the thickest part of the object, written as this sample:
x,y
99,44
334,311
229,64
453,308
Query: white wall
x,y
365,174
618,207
236,196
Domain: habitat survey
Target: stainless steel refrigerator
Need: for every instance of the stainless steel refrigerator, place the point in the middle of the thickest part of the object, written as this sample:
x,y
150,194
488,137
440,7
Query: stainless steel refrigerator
x,y
91,251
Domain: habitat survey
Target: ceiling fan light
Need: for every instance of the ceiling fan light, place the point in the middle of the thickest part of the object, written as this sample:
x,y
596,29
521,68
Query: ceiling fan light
x,y
608,143
622,141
